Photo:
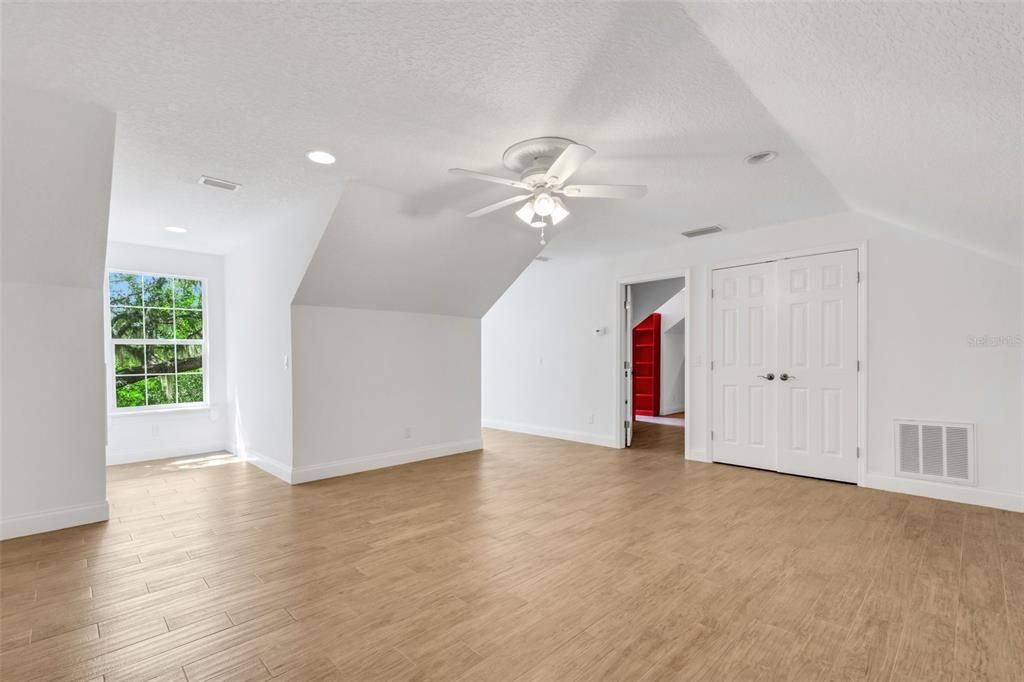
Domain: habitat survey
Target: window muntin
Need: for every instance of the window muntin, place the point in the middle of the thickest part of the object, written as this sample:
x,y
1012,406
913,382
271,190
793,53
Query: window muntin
x,y
157,331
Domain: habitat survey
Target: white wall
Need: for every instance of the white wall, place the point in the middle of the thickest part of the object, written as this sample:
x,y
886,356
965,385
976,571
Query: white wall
x,y
925,298
673,352
261,279
326,389
57,161
544,370
377,388
140,436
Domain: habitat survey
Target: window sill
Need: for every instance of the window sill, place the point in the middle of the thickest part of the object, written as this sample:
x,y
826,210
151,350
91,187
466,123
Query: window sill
x,y
160,410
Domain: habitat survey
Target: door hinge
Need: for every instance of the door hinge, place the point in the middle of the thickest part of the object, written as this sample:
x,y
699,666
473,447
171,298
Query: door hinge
x,y
712,365
858,365
712,435
858,277
625,424
712,293
858,453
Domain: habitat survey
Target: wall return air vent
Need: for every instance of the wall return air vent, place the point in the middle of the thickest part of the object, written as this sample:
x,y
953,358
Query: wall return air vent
x,y
219,184
936,451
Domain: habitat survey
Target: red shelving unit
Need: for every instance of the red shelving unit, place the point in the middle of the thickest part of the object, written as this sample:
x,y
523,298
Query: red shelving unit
x,y
647,366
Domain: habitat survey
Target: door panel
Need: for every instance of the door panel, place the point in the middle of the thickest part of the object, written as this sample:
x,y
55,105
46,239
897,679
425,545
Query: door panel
x,y
744,336
818,335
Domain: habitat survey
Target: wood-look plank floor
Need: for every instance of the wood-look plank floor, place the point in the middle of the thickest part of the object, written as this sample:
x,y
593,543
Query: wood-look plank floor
x,y
536,559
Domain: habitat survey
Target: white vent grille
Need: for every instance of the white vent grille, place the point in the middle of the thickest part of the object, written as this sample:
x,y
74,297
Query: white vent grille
x,y
701,231
938,451
218,183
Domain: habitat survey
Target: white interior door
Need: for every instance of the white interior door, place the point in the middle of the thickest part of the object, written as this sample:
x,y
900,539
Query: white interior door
x,y
784,372
817,366
743,357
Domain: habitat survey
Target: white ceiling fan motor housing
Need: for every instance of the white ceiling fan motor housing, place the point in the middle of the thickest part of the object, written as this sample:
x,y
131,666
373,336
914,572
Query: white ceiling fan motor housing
x,y
532,158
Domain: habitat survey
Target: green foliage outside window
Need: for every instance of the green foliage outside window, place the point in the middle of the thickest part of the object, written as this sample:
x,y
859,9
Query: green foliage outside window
x,y
156,323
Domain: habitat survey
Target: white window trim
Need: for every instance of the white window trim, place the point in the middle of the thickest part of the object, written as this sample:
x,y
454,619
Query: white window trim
x,y
112,408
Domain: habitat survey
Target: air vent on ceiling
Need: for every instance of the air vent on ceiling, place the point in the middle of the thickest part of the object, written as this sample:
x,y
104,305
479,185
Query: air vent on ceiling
x,y
219,184
940,451
701,231
761,157
543,259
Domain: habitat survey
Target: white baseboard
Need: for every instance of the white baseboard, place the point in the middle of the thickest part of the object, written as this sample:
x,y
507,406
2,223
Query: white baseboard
x,y
149,454
355,465
944,491
575,436
53,519
697,454
272,467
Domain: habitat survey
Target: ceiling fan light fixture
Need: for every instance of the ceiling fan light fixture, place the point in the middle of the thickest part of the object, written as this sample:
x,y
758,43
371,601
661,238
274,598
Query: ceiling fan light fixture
x,y
526,213
538,223
559,212
543,204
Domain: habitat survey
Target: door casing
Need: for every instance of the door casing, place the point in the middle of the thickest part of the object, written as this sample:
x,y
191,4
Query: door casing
x,y
621,342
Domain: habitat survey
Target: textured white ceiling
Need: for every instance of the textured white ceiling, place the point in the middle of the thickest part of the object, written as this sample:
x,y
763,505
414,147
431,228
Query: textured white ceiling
x,y
912,110
402,91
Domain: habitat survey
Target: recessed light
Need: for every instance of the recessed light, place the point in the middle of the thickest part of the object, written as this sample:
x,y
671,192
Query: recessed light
x,y
761,157
317,156
176,230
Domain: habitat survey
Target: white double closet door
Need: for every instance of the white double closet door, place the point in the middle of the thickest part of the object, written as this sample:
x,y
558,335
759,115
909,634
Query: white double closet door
x,y
784,372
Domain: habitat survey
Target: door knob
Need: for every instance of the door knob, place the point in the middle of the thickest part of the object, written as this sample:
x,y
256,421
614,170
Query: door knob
x,y
769,376
786,377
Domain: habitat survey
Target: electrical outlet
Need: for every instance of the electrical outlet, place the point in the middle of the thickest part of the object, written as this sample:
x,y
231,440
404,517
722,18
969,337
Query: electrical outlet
x,y
155,428
591,419
407,433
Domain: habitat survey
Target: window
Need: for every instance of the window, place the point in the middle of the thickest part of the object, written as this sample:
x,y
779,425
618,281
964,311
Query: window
x,y
158,340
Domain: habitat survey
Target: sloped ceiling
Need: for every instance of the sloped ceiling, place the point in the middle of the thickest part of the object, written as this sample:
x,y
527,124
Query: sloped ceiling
x,y
401,91
913,111
373,254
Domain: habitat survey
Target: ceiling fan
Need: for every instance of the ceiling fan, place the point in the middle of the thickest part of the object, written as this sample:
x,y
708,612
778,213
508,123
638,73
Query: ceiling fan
x,y
544,165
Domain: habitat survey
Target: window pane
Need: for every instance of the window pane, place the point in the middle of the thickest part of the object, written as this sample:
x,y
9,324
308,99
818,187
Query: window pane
x,y
188,293
190,358
159,359
190,388
158,292
160,390
125,288
128,359
159,324
189,324
125,323
131,391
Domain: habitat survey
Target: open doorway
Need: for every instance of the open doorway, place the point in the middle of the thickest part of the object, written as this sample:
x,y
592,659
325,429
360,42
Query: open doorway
x,y
654,341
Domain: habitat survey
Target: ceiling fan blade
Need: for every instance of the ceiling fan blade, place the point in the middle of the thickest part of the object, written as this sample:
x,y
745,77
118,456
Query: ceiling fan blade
x,y
501,204
489,178
605,191
567,163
